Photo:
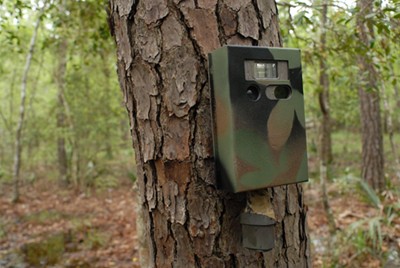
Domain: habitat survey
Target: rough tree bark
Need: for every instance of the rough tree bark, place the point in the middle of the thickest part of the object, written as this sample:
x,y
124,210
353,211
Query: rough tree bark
x,y
371,129
162,68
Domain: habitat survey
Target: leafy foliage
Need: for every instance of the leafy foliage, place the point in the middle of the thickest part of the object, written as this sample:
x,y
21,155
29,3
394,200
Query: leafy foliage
x,y
300,27
95,121
363,237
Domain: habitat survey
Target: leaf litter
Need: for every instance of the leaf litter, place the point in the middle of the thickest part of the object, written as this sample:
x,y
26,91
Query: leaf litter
x,y
58,227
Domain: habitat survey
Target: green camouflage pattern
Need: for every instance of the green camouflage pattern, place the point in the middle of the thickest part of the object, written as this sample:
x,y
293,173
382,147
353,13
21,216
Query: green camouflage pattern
x,y
257,143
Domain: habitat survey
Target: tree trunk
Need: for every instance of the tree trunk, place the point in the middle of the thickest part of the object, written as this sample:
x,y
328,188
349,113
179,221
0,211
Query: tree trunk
x,y
325,142
372,141
18,138
162,68
325,132
390,130
61,117
395,86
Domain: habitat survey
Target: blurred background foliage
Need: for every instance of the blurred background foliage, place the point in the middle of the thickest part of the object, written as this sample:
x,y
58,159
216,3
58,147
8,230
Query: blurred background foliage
x,y
301,27
365,220
95,128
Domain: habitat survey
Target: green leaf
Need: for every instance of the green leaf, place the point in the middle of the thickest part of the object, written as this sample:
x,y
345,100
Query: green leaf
x,y
301,17
370,194
382,27
370,15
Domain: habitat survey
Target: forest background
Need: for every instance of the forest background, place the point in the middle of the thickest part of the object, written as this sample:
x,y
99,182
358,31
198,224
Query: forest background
x,y
63,127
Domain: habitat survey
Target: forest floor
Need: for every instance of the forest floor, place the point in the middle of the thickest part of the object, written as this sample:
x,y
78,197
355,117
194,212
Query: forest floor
x,y
367,234
54,227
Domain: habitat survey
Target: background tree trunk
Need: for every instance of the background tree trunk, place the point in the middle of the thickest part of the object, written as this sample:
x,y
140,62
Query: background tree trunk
x,y
372,140
325,154
61,116
18,138
390,129
325,136
162,68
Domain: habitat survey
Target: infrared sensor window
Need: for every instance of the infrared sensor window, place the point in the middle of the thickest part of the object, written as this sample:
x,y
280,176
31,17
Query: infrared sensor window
x,y
265,70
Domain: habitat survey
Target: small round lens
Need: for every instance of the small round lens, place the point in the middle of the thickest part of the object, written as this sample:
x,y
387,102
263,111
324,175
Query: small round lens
x,y
282,92
253,93
278,92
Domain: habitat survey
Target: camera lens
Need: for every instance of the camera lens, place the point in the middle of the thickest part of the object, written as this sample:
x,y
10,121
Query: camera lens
x,y
282,92
253,93
278,92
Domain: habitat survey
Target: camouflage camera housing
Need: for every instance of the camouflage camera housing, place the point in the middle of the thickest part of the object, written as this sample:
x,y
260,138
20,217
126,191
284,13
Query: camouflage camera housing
x,y
258,117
